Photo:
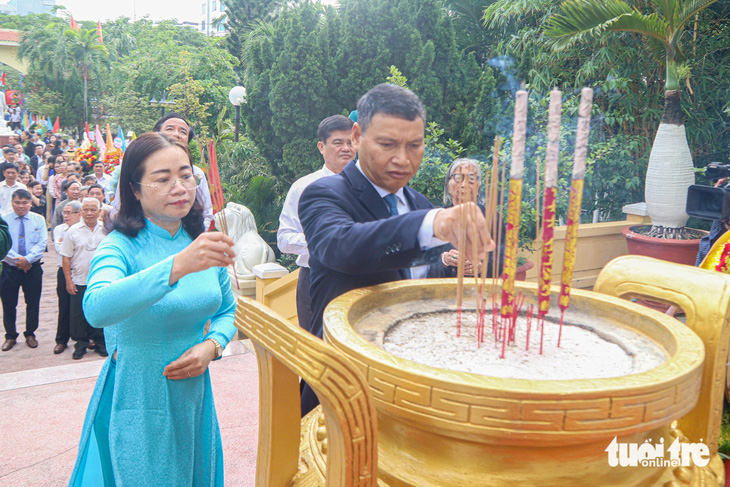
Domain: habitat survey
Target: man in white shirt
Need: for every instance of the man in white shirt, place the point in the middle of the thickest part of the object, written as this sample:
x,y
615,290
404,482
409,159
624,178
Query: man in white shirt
x,y
77,250
8,187
335,145
101,177
22,268
71,216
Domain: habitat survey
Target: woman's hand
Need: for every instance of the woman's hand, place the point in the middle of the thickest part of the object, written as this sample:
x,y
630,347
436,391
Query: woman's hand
x,y
192,363
211,249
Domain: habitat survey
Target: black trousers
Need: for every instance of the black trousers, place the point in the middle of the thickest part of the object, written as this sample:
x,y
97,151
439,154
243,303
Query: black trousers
x,y
63,330
81,330
304,298
13,279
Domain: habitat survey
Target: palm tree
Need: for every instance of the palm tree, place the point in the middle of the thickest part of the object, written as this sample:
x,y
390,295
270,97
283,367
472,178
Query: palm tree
x,y
670,164
87,54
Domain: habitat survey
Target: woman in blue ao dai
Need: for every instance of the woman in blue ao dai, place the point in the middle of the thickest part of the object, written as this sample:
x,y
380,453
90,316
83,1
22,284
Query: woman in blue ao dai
x,y
154,283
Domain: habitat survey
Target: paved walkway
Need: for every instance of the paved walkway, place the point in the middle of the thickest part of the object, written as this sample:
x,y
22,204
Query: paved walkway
x,y
43,400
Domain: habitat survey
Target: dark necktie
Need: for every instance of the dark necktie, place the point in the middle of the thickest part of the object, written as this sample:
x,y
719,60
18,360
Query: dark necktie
x,y
21,237
392,201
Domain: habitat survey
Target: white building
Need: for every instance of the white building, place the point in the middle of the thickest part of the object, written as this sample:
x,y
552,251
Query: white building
x,y
212,10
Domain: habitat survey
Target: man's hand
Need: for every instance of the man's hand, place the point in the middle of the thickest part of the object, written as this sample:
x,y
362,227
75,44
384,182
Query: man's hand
x,y
192,362
448,223
71,288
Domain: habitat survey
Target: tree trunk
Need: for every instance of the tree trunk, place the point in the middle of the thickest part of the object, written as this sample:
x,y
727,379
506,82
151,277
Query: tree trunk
x,y
670,169
86,103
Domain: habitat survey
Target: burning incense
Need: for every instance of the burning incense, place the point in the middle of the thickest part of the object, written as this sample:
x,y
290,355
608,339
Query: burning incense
x,y
576,197
515,202
548,218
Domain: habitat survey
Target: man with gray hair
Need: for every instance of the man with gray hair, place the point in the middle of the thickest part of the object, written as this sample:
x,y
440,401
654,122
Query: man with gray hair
x,y
77,250
71,216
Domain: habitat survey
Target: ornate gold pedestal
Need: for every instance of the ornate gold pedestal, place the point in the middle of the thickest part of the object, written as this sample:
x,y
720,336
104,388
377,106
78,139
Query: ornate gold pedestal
x,y
435,427
445,428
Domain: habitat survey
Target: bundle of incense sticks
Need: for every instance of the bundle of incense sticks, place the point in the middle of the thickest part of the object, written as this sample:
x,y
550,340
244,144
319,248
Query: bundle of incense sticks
x,y
504,318
217,198
576,198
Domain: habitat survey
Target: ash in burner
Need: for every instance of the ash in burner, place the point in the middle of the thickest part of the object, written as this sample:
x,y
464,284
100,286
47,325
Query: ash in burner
x,y
431,339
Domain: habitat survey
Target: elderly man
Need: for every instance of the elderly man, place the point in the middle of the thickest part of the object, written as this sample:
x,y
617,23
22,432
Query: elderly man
x,y
22,268
365,226
77,250
335,145
9,186
71,216
73,193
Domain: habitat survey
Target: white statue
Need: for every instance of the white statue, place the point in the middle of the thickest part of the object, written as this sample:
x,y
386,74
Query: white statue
x,y
250,248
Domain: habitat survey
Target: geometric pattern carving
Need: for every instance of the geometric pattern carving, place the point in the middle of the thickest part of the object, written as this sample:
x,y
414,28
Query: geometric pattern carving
x,y
349,411
608,416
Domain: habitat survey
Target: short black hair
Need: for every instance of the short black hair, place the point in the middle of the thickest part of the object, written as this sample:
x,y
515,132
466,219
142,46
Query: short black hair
x,y
391,100
33,184
67,184
158,126
21,193
90,177
332,124
97,185
11,165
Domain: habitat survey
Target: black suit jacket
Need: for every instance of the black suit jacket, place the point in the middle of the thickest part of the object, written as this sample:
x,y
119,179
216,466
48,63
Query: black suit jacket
x,y
353,241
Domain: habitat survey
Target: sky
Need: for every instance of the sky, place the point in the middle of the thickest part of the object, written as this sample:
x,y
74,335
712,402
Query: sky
x,y
182,10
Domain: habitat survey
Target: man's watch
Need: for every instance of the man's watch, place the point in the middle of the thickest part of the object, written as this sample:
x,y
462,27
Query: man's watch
x,y
218,348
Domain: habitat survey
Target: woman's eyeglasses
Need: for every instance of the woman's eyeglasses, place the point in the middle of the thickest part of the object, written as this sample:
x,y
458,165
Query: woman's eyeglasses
x,y
188,182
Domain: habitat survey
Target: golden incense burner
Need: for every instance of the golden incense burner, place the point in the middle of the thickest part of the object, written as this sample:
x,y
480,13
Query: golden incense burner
x,y
436,427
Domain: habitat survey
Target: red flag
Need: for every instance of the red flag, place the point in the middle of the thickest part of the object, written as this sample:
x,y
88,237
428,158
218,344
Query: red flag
x,y
87,131
98,32
56,126
74,25
2,79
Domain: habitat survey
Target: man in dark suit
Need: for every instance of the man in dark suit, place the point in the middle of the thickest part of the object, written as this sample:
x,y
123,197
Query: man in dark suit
x,y
365,226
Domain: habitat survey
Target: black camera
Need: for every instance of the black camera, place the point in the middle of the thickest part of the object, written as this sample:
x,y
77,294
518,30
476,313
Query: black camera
x,y
708,202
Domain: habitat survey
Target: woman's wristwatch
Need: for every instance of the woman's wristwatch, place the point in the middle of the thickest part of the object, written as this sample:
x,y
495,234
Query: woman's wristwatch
x,y
218,348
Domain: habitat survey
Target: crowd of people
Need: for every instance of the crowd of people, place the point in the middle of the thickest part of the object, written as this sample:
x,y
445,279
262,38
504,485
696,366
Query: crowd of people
x,y
142,281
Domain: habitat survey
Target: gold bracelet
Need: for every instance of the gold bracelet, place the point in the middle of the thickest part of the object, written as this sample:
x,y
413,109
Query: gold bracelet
x,y
218,348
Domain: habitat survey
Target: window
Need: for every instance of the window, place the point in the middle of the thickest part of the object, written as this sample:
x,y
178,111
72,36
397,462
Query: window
x,y
214,5
202,26
223,7
221,28
204,8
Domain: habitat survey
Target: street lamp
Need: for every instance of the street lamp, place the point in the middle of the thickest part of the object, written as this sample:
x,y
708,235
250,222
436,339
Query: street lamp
x,y
236,96
162,101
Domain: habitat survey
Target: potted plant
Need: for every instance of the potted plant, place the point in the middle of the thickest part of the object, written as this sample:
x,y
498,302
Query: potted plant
x,y
669,173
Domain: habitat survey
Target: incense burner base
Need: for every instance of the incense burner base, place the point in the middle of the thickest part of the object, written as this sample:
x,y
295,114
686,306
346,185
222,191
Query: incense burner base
x,y
439,427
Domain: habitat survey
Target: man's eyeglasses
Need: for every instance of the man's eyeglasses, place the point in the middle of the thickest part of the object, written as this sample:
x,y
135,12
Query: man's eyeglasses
x,y
166,186
458,177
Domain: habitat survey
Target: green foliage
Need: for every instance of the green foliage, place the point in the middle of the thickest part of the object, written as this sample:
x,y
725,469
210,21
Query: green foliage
x,y
313,61
429,181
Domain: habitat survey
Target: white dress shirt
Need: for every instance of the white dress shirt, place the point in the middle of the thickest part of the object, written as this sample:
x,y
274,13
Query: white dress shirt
x,y
36,236
79,245
6,193
425,232
290,236
58,234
